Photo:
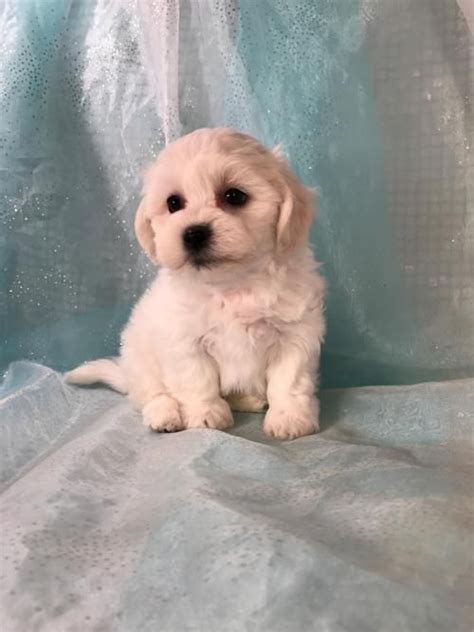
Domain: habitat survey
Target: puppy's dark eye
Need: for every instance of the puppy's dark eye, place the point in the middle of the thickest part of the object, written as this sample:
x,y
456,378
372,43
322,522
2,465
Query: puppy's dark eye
x,y
235,197
175,203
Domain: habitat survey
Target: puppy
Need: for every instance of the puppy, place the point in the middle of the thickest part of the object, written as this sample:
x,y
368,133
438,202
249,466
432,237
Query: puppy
x,y
235,315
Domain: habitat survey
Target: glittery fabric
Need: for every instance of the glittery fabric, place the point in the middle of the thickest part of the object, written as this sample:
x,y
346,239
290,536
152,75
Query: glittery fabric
x,y
378,119
364,528
78,125
108,527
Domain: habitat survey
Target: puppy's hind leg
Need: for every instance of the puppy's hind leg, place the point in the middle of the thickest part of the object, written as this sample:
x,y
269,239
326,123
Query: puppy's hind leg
x,y
162,414
161,411
196,382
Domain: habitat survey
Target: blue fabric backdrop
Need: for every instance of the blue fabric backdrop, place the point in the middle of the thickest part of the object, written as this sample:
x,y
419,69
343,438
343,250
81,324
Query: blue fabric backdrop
x,y
90,92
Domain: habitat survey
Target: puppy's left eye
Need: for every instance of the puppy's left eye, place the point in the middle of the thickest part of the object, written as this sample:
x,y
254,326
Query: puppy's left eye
x,y
235,197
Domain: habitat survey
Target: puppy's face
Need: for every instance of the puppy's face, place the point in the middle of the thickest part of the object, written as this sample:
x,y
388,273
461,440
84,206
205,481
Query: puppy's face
x,y
217,199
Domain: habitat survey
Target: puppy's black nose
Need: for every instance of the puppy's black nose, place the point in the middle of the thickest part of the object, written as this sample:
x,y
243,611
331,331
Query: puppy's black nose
x,y
197,237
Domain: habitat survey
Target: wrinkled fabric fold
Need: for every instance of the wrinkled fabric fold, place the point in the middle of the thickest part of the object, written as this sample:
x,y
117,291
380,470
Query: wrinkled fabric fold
x,y
366,526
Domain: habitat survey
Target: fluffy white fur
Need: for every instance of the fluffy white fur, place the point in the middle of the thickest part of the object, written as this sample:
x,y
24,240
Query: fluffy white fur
x,y
244,327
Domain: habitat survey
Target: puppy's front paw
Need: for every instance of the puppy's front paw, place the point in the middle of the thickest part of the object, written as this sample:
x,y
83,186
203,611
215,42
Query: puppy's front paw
x,y
215,414
291,422
162,414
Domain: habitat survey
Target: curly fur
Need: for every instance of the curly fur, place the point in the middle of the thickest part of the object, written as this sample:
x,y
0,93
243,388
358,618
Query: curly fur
x,y
244,327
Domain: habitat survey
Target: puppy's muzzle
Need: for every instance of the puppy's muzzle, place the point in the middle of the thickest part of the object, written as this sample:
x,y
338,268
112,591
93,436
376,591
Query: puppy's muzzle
x,y
196,238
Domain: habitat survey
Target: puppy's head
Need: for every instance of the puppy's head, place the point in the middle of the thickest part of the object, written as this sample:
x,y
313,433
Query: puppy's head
x,y
217,199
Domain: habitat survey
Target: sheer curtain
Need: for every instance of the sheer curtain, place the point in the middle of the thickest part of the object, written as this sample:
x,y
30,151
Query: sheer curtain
x,y
372,102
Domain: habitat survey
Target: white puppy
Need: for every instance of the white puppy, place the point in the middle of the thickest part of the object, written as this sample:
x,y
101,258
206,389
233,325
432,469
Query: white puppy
x,y
235,315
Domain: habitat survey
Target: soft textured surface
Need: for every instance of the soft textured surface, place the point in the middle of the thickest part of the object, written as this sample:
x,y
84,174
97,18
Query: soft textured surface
x,y
365,527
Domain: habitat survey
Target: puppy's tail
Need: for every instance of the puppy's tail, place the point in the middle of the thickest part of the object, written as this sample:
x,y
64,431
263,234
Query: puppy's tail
x,y
105,371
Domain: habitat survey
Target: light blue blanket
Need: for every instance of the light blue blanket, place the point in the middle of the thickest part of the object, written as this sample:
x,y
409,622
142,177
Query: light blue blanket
x,y
366,527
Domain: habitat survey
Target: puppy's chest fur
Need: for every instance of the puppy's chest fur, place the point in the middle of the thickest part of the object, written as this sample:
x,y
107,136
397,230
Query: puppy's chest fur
x,y
240,333
241,329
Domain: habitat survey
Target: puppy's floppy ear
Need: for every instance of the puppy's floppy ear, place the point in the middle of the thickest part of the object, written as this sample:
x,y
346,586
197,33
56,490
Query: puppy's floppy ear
x,y
277,151
144,231
296,213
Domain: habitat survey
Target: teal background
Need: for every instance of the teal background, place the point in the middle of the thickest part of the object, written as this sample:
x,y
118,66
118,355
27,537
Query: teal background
x,y
89,96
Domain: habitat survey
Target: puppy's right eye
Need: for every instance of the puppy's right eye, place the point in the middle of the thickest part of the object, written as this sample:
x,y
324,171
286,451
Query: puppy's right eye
x,y
175,203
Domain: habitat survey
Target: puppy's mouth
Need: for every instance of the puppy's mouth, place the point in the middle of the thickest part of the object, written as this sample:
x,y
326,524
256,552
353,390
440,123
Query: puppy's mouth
x,y
209,260
202,261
